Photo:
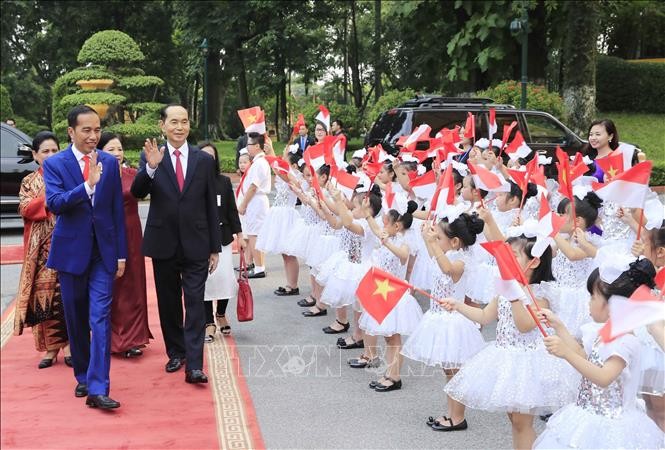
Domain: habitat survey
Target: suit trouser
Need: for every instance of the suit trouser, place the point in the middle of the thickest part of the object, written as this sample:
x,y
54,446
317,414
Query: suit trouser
x,y
86,299
174,276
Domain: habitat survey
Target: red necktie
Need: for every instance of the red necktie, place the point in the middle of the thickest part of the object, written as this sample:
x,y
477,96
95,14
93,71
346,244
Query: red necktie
x,y
86,167
180,178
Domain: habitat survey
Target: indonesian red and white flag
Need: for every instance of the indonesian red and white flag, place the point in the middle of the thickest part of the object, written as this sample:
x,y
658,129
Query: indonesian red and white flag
x,y
487,180
549,222
419,134
299,122
612,165
628,189
315,155
253,119
507,130
424,186
491,125
278,164
512,278
470,127
345,182
628,151
445,191
538,178
518,148
324,117
628,314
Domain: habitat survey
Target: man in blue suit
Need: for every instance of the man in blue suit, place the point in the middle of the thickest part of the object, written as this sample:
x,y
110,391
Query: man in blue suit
x,y
88,249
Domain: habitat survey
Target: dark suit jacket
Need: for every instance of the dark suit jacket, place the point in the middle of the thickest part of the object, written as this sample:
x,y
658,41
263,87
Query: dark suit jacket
x,y
80,221
187,218
310,141
227,210
240,144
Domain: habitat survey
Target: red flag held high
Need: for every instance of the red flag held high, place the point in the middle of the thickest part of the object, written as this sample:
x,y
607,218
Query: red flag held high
x,y
470,127
612,164
379,292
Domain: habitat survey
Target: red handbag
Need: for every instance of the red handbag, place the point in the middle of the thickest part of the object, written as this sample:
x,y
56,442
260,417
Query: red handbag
x,y
245,307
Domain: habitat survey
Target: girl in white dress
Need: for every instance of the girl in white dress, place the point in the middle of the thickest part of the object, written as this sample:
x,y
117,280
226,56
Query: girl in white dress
x,y
243,165
447,338
279,222
391,257
574,261
605,414
514,374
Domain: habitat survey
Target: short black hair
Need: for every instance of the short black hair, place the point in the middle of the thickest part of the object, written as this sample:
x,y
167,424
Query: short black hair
x,y
203,144
256,138
75,112
105,138
41,137
339,122
640,271
544,270
163,113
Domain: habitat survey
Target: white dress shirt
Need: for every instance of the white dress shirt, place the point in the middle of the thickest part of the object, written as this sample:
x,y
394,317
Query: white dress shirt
x,y
79,157
184,152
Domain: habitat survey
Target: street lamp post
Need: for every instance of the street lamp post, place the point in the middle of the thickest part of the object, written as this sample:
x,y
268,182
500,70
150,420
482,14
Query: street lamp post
x,y
521,27
204,52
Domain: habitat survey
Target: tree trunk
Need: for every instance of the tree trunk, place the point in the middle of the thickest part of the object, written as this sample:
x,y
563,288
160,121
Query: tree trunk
x,y
345,49
218,81
355,62
243,92
378,89
283,129
579,68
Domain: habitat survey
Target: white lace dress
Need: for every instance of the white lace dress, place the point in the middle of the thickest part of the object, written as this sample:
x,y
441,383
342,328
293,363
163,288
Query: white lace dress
x,y
604,417
443,338
342,272
279,222
406,315
514,373
652,364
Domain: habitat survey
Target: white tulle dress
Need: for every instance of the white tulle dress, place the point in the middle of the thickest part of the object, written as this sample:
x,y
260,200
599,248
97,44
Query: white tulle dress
x,y
279,222
604,417
304,234
443,338
406,315
652,364
514,373
342,272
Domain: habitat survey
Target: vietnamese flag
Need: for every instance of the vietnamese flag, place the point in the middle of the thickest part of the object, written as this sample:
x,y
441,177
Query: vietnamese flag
x,y
491,126
379,292
487,180
538,178
278,164
565,181
628,189
253,119
470,127
507,129
612,164
628,314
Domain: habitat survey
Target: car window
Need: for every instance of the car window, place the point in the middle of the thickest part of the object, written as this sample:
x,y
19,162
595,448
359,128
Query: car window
x,y
503,119
9,144
439,119
390,125
543,130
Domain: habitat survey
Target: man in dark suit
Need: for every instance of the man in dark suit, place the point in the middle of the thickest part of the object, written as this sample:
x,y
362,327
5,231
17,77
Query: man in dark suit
x,y
88,249
303,140
182,236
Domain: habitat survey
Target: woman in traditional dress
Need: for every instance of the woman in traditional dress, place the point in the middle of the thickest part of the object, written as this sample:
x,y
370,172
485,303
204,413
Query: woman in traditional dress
x,y
38,302
129,309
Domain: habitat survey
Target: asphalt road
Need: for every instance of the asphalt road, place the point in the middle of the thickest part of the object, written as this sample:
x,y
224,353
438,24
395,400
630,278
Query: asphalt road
x,y
306,396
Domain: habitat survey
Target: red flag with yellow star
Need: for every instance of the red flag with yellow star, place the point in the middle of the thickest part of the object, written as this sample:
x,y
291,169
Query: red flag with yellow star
x,y
612,165
379,292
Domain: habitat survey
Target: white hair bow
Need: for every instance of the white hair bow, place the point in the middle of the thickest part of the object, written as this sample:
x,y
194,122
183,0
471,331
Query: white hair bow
x,y
293,148
482,143
612,268
462,168
301,162
243,151
531,229
452,212
363,183
544,160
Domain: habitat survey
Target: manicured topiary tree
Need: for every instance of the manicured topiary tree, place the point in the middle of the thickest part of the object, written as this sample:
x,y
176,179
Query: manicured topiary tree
x,y
133,111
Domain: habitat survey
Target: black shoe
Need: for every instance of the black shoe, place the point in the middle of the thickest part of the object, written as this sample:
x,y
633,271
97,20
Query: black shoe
x,y
68,361
174,364
431,420
330,330
375,383
133,353
341,343
101,402
362,362
195,376
282,292
249,267
81,390
252,274
46,362
438,426
545,417
394,386
307,303
320,312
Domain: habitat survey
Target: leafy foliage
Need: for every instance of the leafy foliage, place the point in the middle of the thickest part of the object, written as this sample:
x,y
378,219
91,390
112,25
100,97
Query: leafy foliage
x,y
390,99
28,127
6,109
134,134
140,82
538,97
627,86
145,107
110,48
91,98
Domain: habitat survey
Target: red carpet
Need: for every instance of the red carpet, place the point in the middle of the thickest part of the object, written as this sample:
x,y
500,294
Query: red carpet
x,y
11,254
159,410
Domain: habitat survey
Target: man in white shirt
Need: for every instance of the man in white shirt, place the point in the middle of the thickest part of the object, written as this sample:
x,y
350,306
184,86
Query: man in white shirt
x,y
255,205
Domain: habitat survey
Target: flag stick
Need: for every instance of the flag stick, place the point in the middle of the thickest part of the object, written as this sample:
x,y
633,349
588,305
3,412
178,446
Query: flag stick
x,y
639,224
540,326
480,197
425,294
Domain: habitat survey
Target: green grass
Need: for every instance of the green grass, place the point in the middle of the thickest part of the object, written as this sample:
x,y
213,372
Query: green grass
x,y
646,131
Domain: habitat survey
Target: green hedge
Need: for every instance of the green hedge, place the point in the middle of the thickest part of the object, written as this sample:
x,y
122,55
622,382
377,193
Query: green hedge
x,y
658,174
6,110
91,98
134,134
110,47
537,97
626,86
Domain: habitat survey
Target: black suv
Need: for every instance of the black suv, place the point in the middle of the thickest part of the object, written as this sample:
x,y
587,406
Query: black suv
x,y
542,132
16,164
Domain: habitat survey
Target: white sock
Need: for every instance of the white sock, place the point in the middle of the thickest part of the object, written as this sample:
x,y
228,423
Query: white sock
x,y
259,269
